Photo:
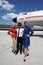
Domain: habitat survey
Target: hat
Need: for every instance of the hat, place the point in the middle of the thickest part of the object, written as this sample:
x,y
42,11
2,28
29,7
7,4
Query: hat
x,y
19,24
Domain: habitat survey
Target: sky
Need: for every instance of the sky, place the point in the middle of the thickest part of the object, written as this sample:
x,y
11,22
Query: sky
x,y
10,9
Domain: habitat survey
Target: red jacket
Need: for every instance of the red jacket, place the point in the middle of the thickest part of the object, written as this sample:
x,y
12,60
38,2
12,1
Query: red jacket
x,y
13,32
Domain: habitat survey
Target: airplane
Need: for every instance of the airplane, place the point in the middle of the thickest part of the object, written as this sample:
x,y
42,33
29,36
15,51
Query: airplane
x,y
34,18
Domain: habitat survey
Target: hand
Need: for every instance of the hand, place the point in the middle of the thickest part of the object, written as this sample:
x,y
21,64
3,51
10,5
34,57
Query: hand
x,y
15,37
28,35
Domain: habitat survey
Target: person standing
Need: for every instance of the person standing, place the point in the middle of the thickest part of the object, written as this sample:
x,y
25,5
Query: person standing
x,y
13,32
19,38
26,38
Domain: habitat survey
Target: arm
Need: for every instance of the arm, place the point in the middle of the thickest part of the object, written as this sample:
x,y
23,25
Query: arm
x,y
31,31
28,35
9,32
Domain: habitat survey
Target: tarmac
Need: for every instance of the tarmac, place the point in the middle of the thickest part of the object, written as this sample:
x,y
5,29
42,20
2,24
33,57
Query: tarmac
x,y
35,54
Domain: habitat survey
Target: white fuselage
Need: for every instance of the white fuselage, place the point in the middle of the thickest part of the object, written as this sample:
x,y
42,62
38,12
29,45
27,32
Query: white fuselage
x,y
33,18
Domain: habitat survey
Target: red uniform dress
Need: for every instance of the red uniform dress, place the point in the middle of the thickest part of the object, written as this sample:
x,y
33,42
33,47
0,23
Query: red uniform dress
x,y
13,33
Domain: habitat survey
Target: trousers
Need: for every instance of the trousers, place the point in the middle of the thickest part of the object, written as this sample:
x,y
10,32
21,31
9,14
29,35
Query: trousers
x,y
19,44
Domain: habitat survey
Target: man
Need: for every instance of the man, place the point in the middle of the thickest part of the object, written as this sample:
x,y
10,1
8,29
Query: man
x,y
19,38
13,33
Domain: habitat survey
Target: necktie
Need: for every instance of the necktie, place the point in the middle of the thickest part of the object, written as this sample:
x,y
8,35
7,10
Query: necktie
x,y
18,32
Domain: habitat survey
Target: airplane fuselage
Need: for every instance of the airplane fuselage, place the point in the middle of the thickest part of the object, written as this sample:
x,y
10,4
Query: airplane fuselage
x,y
33,18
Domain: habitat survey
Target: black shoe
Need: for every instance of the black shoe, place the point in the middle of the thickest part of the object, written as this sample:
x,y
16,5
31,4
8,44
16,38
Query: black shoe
x,y
27,55
16,53
20,52
24,60
13,51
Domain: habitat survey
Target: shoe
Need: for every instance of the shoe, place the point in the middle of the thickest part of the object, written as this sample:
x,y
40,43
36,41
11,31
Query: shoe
x,y
27,55
24,60
20,52
16,52
13,51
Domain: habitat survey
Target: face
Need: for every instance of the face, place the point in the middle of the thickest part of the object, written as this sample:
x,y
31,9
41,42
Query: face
x,y
19,26
26,24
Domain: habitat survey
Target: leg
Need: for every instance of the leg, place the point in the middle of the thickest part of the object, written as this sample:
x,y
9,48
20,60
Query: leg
x,y
17,46
20,48
14,45
21,45
25,53
27,48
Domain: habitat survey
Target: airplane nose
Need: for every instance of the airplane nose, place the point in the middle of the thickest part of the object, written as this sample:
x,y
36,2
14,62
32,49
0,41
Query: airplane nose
x,y
15,20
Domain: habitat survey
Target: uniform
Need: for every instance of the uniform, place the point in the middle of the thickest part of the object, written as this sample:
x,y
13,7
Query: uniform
x,y
13,33
26,40
19,39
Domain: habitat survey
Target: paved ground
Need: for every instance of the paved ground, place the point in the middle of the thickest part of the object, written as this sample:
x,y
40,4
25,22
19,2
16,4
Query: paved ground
x,y
8,58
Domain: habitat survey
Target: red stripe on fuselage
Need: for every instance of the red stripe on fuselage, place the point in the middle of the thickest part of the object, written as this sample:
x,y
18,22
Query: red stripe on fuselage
x,y
21,18
30,17
33,17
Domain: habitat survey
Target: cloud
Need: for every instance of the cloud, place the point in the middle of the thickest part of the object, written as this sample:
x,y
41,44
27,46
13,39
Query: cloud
x,y
4,4
9,16
22,13
8,7
0,2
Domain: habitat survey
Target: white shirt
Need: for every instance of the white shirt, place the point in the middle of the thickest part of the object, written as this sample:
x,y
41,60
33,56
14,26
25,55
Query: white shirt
x,y
20,32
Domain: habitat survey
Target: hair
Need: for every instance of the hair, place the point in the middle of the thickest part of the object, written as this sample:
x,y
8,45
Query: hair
x,y
25,22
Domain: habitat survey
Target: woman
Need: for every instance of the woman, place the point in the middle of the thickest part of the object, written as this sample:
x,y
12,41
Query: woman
x,y
26,38
13,32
